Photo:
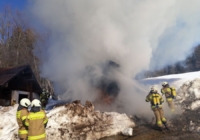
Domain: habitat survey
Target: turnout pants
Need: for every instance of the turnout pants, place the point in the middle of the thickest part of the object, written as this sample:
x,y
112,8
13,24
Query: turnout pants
x,y
170,104
159,114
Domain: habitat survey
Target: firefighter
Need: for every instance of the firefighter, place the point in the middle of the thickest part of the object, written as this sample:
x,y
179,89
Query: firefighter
x,y
21,115
36,121
156,105
44,97
170,95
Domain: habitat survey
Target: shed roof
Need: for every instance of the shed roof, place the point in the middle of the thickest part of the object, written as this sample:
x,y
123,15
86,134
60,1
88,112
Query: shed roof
x,y
6,74
18,77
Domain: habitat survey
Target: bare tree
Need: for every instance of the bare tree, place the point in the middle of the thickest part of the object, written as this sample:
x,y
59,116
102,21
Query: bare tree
x,y
19,43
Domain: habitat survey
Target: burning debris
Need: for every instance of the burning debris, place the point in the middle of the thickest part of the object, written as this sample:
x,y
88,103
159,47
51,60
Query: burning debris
x,y
108,87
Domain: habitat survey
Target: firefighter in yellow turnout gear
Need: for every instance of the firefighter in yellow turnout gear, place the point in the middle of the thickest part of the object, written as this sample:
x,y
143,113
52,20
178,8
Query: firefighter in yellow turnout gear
x,y
170,95
36,122
21,115
156,105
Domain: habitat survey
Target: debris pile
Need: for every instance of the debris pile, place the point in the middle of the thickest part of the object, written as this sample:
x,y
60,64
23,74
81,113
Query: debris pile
x,y
188,98
77,121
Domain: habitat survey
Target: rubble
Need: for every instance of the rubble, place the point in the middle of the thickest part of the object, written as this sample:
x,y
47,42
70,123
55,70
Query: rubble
x,y
77,121
189,100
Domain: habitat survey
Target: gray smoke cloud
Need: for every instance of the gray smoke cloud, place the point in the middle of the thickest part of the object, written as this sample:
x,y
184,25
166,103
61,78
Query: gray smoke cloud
x,y
136,34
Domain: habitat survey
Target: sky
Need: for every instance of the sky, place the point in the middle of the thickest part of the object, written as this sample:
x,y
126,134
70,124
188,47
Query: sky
x,y
135,34
14,4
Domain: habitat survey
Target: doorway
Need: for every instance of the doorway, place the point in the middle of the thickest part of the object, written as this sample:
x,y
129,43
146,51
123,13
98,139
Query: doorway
x,y
21,96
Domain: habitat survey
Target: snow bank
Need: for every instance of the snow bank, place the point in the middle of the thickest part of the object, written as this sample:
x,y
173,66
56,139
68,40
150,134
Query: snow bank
x,y
187,101
76,121
195,105
71,121
8,125
188,97
189,94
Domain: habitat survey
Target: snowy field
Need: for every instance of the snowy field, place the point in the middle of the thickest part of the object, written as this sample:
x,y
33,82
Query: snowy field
x,y
175,80
78,121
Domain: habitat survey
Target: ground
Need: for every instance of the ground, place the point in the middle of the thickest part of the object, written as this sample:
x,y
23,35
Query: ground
x,y
180,127
146,132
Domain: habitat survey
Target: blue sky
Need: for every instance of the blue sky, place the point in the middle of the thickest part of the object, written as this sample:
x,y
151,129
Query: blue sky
x,y
15,4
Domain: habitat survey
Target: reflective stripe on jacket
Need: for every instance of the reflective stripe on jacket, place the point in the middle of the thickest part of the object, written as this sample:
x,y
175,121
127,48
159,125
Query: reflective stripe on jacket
x,y
36,125
21,116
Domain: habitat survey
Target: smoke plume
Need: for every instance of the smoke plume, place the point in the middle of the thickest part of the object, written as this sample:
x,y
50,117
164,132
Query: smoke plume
x,y
136,34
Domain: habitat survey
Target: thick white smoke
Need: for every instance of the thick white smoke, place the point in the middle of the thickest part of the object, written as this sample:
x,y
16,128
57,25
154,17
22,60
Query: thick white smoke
x,y
86,34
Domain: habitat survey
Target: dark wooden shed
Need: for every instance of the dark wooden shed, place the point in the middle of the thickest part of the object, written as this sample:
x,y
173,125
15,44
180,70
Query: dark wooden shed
x,y
19,78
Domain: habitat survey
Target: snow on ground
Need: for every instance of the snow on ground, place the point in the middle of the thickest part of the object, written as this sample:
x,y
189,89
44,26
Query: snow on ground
x,y
188,99
72,121
189,75
189,94
77,121
195,105
174,79
8,123
186,84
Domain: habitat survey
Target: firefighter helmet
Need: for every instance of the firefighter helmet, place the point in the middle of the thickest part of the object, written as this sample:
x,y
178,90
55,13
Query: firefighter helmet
x,y
25,102
36,103
164,83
